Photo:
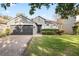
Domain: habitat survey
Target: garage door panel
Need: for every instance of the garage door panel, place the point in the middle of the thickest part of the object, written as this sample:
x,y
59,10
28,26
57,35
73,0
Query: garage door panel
x,y
28,29
25,30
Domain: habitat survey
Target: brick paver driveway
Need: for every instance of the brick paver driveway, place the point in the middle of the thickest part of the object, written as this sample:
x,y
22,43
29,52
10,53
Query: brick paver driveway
x,y
14,45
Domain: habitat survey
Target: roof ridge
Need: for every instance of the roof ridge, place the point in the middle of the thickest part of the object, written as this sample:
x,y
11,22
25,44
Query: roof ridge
x,y
23,20
41,17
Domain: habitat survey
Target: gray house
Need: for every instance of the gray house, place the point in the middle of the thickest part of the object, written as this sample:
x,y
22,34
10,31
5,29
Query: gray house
x,y
22,25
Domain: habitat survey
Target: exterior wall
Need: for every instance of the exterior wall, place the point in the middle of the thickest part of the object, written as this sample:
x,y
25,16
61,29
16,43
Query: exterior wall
x,y
34,29
68,24
51,26
39,21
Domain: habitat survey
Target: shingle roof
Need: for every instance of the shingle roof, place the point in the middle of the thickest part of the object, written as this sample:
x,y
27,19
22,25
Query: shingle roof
x,y
51,22
20,20
40,17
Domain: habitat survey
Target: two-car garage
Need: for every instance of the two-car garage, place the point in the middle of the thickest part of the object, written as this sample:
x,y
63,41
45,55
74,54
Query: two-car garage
x,y
21,25
22,29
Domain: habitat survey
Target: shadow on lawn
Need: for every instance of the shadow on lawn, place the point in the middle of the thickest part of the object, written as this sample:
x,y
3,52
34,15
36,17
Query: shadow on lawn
x,y
52,47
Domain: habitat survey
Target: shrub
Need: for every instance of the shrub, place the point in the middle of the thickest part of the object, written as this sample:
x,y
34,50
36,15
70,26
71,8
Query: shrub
x,y
2,34
60,32
49,31
8,31
5,32
77,30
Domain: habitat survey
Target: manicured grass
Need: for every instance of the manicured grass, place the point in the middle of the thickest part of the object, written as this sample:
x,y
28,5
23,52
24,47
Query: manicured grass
x,y
55,45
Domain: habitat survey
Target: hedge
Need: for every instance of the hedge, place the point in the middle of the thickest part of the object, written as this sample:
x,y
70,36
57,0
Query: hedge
x,y
49,31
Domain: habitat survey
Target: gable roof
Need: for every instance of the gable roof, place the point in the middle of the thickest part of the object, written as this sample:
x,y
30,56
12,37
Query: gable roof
x,y
37,19
40,17
20,20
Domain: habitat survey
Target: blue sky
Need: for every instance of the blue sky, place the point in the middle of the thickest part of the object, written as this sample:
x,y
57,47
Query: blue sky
x,y
24,8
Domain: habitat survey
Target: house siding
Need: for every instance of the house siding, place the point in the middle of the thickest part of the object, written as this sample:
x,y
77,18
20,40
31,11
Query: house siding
x,y
34,29
51,26
39,21
27,25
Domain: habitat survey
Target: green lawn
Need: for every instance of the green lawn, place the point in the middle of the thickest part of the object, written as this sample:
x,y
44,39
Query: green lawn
x,y
55,45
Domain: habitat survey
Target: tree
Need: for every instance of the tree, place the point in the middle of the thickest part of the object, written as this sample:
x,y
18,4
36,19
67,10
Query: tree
x,y
5,5
67,9
34,6
63,9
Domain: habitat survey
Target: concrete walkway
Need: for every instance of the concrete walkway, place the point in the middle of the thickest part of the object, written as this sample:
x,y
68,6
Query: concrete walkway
x,y
14,45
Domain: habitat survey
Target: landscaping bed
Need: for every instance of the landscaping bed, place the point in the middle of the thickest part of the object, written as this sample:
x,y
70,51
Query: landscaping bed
x,y
55,45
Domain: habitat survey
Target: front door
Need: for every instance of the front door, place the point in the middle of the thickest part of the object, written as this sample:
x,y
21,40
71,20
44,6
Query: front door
x,y
39,28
